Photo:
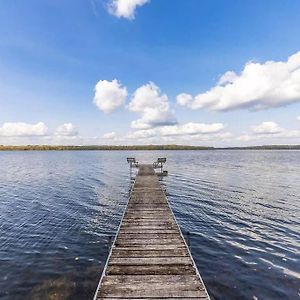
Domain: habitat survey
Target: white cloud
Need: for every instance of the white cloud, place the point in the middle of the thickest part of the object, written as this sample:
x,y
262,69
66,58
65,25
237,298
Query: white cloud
x,y
66,129
245,138
125,8
267,128
267,131
228,77
184,99
20,129
23,134
66,134
259,86
291,133
142,134
153,107
148,96
109,95
191,129
110,135
186,133
298,118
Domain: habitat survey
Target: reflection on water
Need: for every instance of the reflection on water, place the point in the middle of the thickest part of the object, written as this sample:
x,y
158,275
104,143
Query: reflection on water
x,y
68,286
242,207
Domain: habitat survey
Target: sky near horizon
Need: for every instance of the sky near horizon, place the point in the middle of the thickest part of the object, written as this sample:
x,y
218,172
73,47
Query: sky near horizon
x,y
197,72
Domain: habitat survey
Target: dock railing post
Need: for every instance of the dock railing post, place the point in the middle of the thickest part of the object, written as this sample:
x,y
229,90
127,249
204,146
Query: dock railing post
x,y
159,164
132,163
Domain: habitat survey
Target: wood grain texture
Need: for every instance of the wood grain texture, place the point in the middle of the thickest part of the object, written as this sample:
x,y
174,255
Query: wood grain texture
x,y
149,259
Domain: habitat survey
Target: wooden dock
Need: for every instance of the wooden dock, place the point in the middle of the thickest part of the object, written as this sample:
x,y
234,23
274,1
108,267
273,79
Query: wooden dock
x,y
149,258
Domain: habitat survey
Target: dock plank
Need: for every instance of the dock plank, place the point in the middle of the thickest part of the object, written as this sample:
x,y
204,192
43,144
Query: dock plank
x,y
129,261
159,286
149,258
146,235
128,253
150,270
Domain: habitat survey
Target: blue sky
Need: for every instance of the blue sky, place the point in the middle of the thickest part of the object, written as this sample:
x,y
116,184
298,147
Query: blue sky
x,y
54,52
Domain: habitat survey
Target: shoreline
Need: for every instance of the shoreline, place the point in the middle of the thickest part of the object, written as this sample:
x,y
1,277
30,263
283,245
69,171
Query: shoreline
x,y
141,148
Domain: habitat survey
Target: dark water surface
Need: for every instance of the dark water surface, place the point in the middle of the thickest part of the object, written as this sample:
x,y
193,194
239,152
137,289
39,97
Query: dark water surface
x,y
243,207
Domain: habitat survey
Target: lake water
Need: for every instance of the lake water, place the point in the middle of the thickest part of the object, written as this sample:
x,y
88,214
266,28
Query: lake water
x,y
58,208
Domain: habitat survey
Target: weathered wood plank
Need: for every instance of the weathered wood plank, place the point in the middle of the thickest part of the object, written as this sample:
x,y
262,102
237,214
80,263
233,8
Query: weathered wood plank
x,y
153,279
127,253
148,209
147,261
158,287
150,270
149,201
151,247
126,235
143,213
173,298
175,241
136,212
142,231
147,218
149,224
143,298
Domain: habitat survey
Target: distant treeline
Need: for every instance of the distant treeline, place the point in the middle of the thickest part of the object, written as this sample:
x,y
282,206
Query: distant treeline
x,y
134,147
142,147
265,147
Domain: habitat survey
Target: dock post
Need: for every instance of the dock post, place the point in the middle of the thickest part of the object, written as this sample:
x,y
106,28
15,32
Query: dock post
x,y
132,163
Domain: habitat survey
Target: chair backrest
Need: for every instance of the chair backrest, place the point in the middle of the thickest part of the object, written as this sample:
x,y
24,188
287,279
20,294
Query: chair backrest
x,y
161,160
131,160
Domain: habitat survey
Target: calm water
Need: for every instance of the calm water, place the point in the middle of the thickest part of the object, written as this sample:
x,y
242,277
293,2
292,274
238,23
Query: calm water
x,y
57,209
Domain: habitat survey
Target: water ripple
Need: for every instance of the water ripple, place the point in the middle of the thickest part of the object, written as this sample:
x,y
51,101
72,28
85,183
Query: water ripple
x,y
59,208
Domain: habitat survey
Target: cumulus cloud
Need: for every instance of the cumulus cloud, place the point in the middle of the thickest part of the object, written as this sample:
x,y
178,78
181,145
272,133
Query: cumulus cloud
x,y
109,95
24,133
179,133
228,77
191,129
20,129
259,86
125,8
184,99
152,106
110,135
66,129
142,134
267,130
